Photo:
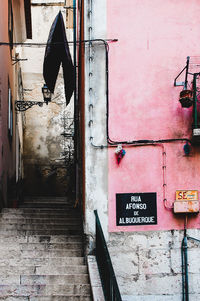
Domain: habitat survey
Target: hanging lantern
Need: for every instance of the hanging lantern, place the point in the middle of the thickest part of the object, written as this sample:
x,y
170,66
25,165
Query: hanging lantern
x,y
186,98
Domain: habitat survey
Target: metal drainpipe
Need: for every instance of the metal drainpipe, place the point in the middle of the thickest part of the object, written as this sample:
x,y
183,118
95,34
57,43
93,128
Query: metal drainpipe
x,y
184,257
75,110
195,125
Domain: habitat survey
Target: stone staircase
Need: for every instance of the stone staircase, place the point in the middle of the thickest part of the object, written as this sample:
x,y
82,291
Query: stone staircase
x,y
41,247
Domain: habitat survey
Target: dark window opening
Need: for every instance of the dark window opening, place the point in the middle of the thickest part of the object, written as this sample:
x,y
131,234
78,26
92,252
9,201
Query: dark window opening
x,y
10,114
10,24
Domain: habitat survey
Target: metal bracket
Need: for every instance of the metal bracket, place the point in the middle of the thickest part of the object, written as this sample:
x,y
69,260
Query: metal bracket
x,y
17,60
22,106
176,84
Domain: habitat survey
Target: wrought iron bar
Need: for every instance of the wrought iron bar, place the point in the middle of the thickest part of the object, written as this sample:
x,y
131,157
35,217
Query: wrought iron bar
x,y
22,106
108,279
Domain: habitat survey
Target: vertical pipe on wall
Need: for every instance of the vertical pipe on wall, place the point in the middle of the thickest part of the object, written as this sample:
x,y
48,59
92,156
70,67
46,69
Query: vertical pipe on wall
x,y
184,257
195,123
75,110
186,73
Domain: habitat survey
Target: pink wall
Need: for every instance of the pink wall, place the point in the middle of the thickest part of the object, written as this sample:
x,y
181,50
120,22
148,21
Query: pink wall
x,y
7,150
154,39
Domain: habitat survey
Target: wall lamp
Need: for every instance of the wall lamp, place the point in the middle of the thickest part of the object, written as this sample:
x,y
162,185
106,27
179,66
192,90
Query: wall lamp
x,y
22,105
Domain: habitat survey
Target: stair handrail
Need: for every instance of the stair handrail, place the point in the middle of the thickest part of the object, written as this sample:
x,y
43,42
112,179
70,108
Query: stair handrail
x,y
106,271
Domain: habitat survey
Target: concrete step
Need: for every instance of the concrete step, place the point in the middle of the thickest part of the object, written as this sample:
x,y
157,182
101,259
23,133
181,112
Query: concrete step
x,y
42,261
44,290
43,270
53,279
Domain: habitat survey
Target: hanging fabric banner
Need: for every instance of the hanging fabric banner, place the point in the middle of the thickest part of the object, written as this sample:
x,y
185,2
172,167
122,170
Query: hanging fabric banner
x,y
57,52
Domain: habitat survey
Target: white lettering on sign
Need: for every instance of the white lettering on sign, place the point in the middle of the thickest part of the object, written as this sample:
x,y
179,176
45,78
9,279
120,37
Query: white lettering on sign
x,y
140,220
135,198
121,220
136,206
137,220
136,209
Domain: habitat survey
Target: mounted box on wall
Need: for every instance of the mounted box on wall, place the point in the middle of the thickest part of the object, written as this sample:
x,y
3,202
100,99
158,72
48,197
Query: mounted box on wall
x,y
196,136
186,201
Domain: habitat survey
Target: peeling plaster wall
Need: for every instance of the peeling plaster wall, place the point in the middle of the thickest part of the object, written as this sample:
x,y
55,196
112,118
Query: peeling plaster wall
x,y
96,159
45,169
147,263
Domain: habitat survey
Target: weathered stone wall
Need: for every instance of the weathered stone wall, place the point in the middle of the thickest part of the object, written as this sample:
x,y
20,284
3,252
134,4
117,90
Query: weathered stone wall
x,y
48,154
148,265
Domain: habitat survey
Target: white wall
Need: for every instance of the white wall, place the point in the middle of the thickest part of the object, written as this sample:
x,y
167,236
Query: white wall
x,y
95,95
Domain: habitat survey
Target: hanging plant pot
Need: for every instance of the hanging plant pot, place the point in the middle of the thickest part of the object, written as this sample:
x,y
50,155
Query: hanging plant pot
x,y
186,98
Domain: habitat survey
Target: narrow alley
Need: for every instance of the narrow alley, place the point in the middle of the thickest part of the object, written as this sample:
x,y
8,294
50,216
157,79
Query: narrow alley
x,y
99,150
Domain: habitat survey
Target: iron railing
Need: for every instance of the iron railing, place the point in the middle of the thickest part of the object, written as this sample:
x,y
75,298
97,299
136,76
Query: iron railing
x,y
108,279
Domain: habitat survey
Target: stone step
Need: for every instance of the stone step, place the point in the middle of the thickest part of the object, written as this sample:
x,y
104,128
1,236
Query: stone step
x,y
40,216
61,270
41,253
40,239
42,261
49,269
49,220
45,205
48,198
48,298
47,201
62,298
44,279
53,279
14,299
51,211
40,246
44,290
42,232
55,238
37,226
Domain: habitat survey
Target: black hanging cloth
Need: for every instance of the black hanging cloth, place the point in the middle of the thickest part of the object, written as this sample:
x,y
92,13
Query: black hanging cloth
x,y
57,52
